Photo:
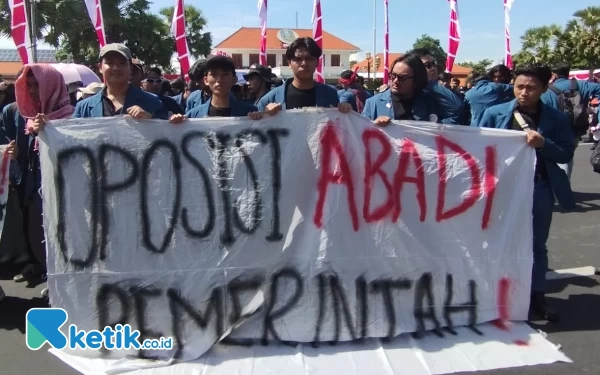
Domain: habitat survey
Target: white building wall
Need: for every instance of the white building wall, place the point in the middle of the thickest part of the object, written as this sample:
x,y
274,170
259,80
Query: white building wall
x,y
331,72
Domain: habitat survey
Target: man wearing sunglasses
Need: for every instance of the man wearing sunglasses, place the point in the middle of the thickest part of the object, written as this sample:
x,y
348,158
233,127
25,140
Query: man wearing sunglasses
x,y
152,83
301,91
450,104
406,98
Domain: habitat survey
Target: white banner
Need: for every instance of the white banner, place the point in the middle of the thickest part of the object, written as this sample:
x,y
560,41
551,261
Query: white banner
x,y
304,227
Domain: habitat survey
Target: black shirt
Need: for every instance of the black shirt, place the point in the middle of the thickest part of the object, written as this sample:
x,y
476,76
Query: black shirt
x,y
171,105
219,112
108,107
402,108
296,98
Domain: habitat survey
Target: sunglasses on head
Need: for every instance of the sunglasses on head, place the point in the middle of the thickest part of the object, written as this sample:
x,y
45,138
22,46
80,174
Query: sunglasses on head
x,y
152,80
430,64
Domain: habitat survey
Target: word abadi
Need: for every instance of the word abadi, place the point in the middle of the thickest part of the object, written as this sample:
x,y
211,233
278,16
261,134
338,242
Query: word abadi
x,y
392,206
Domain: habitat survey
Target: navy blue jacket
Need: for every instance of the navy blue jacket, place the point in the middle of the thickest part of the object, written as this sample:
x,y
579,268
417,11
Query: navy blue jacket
x,y
558,148
381,105
449,105
238,109
587,89
486,94
326,96
93,107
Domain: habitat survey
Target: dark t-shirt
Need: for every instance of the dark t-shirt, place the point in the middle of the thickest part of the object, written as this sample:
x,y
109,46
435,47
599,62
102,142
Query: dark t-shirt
x,y
171,105
402,108
219,112
296,98
108,108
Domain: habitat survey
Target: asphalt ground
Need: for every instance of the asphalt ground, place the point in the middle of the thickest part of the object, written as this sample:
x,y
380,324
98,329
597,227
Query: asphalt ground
x,y
574,242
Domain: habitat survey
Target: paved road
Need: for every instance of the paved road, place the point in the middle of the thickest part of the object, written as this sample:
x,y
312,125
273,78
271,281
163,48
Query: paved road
x,y
574,242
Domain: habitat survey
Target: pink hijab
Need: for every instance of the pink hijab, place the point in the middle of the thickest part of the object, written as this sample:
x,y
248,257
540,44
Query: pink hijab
x,y
54,100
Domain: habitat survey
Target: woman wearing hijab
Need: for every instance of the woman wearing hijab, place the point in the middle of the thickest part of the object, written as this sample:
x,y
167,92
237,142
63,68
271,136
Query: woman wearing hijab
x,y
41,96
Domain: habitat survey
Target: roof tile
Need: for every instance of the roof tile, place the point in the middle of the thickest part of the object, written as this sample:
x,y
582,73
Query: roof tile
x,y
249,38
457,69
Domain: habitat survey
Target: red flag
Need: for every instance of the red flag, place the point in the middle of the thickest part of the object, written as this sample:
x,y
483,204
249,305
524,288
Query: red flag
x,y
94,8
453,35
508,58
19,26
262,14
318,37
178,31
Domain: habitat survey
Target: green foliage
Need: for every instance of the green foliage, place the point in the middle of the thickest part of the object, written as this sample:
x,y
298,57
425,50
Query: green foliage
x,y
199,43
481,66
66,26
433,45
578,43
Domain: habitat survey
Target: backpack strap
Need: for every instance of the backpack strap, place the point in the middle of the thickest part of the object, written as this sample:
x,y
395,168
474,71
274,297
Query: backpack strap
x,y
574,84
555,89
521,121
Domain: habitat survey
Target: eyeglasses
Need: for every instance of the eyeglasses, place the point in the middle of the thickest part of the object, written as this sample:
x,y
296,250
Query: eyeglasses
x,y
152,81
400,77
430,64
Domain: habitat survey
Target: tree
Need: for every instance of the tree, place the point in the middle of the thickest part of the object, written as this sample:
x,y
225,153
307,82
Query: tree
x,y
583,36
539,44
433,45
67,28
481,66
199,43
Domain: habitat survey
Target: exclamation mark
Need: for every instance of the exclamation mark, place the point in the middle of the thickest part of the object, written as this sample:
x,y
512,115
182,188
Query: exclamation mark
x,y
503,304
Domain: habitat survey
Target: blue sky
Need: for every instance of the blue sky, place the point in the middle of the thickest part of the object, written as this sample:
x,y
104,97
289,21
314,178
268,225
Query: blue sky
x,y
482,21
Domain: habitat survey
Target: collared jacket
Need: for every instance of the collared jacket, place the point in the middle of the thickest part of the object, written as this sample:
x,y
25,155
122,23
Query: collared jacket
x,y
585,88
238,109
326,96
486,94
94,107
381,105
449,105
558,146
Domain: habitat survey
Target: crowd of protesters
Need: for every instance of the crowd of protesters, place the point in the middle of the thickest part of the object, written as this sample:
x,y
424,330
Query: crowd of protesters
x,y
529,99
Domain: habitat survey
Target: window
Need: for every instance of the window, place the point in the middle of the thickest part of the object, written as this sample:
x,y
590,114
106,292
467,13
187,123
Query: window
x,y
254,58
284,61
335,60
237,60
272,60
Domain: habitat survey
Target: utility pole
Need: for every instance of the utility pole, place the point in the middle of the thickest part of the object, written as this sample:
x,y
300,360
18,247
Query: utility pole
x,y
33,29
374,29
296,20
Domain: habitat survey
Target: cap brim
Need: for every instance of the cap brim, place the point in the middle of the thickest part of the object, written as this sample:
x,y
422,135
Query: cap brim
x,y
119,52
250,74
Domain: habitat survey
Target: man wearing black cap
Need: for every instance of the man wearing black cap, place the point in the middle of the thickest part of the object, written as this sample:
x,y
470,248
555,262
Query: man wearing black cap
x,y
119,97
259,81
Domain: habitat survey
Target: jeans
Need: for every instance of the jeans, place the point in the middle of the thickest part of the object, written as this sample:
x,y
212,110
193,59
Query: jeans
x,y
543,204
